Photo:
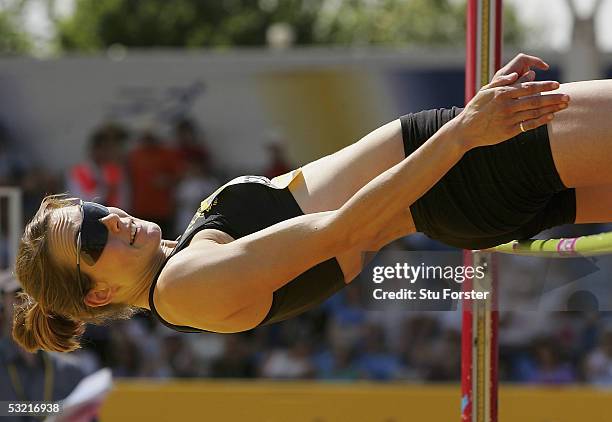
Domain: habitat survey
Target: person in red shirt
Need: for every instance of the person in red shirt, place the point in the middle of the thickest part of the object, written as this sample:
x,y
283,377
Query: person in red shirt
x,y
154,172
188,145
101,176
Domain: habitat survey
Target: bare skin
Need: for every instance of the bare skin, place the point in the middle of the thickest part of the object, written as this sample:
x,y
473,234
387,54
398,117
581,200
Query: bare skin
x,y
584,165
581,144
368,173
338,194
123,271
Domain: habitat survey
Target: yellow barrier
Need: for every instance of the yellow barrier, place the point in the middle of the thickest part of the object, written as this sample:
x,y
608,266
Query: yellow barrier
x,y
227,401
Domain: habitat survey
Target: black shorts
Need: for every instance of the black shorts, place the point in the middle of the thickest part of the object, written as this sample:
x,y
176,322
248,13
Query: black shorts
x,y
494,194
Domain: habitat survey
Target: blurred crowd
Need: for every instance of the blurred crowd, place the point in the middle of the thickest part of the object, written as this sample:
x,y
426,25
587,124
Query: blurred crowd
x,y
164,179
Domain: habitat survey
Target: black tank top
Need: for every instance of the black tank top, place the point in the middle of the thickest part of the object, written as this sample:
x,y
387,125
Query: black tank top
x,y
246,205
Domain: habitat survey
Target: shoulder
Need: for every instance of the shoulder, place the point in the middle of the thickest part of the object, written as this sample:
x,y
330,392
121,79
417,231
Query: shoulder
x,y
183,273
189,293
186,307
173,299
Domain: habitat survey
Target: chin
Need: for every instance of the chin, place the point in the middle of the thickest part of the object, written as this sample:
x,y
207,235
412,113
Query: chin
x,y
152,235
156,231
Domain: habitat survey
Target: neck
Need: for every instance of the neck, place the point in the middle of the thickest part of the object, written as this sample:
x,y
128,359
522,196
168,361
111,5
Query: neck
x,y
141,297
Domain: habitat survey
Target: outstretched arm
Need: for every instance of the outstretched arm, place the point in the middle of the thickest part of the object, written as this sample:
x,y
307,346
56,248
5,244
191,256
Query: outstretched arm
x,y
494,115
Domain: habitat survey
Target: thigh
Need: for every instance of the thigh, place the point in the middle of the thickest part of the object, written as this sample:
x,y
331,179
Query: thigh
x,y
594,204
327,183
581,136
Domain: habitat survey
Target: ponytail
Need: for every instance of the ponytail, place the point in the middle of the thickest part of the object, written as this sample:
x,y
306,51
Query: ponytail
x,y
35,329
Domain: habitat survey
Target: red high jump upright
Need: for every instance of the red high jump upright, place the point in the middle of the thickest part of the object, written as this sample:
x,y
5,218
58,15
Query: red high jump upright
x,y
479,351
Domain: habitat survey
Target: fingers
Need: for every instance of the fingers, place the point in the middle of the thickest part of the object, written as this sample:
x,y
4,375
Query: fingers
x,y
527,77
526,125
538,102
527,89
525,61
536,113
522,65
502,80
533,61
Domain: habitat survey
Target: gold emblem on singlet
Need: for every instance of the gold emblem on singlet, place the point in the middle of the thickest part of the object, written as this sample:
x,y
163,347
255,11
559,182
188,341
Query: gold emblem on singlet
x,y
279,182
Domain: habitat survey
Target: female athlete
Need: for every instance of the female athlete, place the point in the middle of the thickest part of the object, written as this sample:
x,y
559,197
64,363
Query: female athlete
x,y
260,251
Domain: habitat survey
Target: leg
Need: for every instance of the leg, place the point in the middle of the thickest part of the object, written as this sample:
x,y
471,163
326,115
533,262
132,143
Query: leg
x,y
327,183
330,181
352,260
581,136
594,204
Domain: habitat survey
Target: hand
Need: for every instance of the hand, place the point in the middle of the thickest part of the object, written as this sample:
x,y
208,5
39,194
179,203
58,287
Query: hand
x,y
495,114
521,66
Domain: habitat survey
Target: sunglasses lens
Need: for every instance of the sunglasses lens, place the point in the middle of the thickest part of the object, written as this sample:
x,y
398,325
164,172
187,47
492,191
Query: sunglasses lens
x,y
94,234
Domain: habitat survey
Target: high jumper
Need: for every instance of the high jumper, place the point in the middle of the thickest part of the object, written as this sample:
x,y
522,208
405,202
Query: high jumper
x,y
518,159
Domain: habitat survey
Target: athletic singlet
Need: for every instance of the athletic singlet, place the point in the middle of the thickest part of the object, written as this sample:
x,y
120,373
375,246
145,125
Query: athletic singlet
x,y
246,205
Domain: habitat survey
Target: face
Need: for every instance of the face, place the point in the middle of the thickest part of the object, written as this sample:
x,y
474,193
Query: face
x,y
107,252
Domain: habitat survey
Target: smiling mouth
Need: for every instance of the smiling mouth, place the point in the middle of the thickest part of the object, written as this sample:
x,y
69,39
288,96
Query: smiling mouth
x,y
134,232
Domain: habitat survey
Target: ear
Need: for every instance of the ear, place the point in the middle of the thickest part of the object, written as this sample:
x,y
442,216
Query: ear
x,y
98,297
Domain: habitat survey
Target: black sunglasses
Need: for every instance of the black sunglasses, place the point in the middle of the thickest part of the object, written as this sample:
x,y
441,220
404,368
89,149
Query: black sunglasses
x,y
92,235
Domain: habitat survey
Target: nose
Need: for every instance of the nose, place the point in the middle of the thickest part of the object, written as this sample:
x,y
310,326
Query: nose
x,y
112,222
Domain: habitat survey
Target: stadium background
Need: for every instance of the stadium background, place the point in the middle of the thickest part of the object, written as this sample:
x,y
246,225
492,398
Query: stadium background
x,y
254,110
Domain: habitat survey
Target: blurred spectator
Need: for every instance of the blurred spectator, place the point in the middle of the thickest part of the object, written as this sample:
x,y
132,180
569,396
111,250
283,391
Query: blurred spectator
x,y
188,144
294,362
16,171
418,336
12,165
337,363
28,376
578,333
101,177
128,347
277,161
97,342
206,347
196,184
127,358
376,362
347,317
445,360
154,173
235,361
38,182
598,365
546,366
179,357
517,333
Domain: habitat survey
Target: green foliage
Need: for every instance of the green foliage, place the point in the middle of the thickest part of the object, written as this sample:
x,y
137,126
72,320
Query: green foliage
x,y
397,22
182,23
97,24
514,30
13,41
408,22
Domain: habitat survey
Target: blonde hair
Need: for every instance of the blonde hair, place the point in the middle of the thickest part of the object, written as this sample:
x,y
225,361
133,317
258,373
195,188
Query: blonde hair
x,y
51,313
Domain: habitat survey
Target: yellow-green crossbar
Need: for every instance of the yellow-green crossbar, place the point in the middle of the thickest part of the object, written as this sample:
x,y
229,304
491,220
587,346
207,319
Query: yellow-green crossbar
x,y
596,244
